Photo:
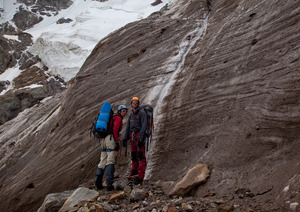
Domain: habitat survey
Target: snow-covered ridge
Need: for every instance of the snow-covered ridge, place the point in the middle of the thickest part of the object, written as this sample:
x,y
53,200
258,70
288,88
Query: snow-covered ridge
x,y
63,48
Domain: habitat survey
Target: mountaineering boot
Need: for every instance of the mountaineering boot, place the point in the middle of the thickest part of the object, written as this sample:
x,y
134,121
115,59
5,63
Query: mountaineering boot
x,y
137,179
133,173
98,180
109,187
109,175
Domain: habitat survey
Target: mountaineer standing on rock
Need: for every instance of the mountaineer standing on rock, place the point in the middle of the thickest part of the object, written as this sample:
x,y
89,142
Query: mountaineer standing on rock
x,y
110,144
135,131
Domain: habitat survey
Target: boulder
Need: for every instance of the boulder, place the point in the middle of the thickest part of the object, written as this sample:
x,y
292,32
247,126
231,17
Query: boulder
x,y
64,20
157,2
3,85
194,177
78,195
137,194
53,202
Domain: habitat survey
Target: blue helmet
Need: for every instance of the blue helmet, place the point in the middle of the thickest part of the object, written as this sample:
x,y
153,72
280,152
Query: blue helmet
x,y
122,107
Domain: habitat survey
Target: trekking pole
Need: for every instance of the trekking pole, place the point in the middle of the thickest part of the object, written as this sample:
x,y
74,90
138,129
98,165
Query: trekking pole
x,y
147,144
120,148
116,157
126,149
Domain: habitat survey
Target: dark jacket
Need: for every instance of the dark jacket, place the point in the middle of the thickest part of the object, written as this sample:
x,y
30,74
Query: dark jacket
x,y
137,122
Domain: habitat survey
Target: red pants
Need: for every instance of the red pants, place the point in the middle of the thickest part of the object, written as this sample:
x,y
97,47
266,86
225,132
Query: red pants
x,y
138,158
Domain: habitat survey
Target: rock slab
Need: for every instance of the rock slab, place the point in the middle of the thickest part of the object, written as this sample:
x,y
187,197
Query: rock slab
x,y
78,195
194,177
53,202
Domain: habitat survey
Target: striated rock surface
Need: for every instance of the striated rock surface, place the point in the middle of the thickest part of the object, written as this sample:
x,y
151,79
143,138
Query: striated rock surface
x,y
223,77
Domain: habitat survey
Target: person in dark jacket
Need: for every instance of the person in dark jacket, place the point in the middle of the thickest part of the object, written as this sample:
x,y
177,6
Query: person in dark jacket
x,y
135,132
110,144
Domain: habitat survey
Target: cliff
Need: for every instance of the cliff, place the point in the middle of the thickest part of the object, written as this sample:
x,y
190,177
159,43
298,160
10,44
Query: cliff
x,y
223,77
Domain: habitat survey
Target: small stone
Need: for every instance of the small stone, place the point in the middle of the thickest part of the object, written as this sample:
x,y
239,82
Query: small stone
x,y
116,196
244,192
71,209
99,208
127,189
213,205
225,208
165,209
102,198
186,207
106,207
135,206
210,194
172,209
160,192
137,194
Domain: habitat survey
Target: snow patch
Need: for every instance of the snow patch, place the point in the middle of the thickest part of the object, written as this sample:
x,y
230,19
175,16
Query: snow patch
x,y
286,188
12,37
175,64
33,86
9,75
10,7
293,206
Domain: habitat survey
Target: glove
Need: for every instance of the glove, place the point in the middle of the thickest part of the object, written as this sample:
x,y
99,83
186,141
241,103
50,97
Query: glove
x,y
124,143
141,142
117,146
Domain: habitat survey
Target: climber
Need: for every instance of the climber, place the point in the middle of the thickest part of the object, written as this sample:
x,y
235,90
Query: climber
x,y
109,145
135,131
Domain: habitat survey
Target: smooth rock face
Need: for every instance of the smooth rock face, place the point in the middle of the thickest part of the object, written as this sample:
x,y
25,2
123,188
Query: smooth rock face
x,y
224,81
194,177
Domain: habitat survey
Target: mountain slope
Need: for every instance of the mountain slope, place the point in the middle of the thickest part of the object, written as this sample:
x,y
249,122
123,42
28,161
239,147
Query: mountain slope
x,y
223,78
44,43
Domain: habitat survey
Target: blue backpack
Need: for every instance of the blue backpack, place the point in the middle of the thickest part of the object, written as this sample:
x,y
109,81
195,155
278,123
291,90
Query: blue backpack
x,y
101,124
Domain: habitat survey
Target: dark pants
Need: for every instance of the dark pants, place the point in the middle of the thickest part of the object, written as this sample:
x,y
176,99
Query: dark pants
x,y
138,157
